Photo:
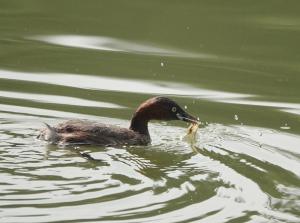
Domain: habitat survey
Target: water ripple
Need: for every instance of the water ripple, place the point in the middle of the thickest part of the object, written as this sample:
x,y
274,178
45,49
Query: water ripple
x,y
117,84
52,183
117,45
57,99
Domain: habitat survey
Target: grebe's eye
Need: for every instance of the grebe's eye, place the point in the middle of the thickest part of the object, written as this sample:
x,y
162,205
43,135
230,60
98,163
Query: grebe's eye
x,y
174,109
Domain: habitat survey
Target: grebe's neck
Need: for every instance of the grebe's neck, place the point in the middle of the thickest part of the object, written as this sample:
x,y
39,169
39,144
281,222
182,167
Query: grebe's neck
x,y
139,124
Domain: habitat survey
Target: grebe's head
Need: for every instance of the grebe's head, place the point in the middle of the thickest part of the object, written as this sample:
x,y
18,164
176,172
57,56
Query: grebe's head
x,y
162,108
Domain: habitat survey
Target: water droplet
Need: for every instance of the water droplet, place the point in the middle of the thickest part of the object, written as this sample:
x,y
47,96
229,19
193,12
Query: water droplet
x,y
185,107
285,127
198,118
162,64
236,117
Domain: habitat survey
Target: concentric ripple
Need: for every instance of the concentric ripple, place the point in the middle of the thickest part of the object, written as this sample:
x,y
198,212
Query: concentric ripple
x,y
235,64
208,183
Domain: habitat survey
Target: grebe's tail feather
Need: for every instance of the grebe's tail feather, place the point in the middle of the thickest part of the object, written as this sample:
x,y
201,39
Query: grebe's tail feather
x,y
49,133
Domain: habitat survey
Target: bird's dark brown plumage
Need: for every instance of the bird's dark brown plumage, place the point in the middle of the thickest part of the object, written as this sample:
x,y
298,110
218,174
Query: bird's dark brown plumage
x,y
86,132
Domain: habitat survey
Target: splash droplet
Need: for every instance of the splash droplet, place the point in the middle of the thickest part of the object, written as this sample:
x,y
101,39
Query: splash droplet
x,y
285,127
162,64
236,117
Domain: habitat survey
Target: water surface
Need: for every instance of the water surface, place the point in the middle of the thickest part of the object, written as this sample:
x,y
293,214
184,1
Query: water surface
x,y
233,64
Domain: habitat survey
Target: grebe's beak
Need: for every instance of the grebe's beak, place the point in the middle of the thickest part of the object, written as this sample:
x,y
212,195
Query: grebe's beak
x,y
187,118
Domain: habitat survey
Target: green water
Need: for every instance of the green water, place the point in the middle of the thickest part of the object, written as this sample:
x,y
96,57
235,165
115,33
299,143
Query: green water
x,y
234,64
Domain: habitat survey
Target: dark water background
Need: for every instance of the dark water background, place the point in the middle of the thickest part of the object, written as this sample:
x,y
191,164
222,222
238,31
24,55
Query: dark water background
x,y
235,64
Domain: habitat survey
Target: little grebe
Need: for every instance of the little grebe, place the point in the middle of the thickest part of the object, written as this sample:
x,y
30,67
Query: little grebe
x,y
85,132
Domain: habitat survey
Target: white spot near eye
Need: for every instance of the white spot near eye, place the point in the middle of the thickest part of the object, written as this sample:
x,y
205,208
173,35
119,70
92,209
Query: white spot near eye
x,y
174,109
